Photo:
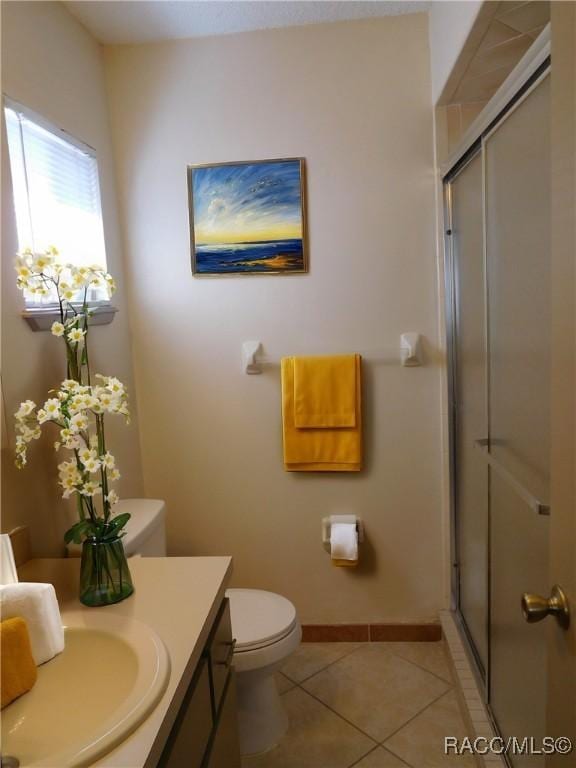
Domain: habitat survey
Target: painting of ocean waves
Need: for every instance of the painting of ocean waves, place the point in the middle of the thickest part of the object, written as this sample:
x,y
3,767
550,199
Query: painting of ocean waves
x,y
267,256
248,217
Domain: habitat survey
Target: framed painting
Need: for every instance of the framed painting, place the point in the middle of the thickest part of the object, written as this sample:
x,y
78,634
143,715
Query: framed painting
x,y
248,218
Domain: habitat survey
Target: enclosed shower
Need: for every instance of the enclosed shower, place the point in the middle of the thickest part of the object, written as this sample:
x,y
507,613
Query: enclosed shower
x,y
497,205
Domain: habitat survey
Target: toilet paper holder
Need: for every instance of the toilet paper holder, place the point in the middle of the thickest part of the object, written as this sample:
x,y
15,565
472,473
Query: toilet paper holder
x,y
327,524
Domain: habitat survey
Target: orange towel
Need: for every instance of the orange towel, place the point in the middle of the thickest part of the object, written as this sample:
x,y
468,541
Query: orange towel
x,y
344,563
323,448
325,391
18,669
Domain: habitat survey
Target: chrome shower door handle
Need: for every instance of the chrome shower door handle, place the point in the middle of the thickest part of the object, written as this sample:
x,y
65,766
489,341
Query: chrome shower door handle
x,y
504,473
535,607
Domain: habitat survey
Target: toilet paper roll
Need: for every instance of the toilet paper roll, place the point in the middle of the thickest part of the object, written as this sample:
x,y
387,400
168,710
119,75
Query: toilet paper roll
x,y
344,543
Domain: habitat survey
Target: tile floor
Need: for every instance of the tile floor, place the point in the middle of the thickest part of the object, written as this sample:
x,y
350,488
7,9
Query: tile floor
x,y
367,705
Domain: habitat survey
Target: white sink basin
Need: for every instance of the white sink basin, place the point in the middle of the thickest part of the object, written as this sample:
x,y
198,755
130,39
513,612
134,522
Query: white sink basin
x,y
89,698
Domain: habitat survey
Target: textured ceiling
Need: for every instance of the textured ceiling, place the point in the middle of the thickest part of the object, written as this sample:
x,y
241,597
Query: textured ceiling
x,y
138,21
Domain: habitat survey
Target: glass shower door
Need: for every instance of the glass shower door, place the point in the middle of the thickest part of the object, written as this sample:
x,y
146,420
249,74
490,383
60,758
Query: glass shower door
x,y
517,200
470,403
499,204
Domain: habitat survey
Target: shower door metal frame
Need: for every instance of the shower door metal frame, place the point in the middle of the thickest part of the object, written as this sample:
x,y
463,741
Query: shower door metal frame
x,y
450,278
532,80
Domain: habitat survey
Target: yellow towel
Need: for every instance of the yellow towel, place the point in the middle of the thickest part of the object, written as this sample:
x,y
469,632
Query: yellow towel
x,y
344,563
325,391
322,449
18,670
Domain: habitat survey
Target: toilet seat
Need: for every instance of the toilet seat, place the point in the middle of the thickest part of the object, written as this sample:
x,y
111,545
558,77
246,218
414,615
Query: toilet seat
x,y
266,658
259,618
267,631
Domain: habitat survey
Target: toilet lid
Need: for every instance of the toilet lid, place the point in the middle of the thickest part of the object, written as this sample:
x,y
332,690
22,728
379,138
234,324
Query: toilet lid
x,y
259,618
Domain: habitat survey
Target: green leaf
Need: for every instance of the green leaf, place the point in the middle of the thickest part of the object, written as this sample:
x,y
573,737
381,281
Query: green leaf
x,y
77,531
117,523
114,528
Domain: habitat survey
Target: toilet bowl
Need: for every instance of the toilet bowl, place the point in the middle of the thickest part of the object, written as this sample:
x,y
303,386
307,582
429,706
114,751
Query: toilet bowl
x,y
267,631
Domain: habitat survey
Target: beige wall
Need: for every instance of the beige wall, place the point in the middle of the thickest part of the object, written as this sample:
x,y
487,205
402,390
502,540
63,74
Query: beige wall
x,y
354,99
53,66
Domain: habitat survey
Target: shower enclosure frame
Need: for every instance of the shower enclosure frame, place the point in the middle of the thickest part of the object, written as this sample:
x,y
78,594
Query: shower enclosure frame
x,y
527,77
450,319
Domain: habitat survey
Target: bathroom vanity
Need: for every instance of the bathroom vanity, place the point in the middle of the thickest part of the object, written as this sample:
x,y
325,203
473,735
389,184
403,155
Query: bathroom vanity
x,y
205,732
194,723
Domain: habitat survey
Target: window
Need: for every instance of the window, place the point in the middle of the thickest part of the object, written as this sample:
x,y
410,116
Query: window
x,y
56,193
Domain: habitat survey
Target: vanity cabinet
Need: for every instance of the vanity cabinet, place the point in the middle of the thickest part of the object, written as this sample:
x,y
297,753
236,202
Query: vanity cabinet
x,y
225,741
205,732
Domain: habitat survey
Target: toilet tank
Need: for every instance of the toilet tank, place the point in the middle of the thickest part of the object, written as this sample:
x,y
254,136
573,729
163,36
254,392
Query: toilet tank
x,y
145,531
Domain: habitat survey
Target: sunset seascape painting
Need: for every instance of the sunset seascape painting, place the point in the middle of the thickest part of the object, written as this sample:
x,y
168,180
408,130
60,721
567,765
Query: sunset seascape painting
x,y
247,217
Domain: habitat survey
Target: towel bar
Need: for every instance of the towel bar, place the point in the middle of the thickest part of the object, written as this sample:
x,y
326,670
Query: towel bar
x,y
407,354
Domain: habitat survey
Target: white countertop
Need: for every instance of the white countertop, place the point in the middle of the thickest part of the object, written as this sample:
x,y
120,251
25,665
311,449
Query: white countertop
x,y
179,598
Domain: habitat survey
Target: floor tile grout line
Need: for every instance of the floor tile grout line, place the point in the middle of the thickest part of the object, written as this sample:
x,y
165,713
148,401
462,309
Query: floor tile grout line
x,y
424,669
350,723
379,746
331,664
363,756
382,743
288,679
402,760
359,648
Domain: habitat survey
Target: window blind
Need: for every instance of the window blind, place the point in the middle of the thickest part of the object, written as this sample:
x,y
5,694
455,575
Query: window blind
x,y
56,193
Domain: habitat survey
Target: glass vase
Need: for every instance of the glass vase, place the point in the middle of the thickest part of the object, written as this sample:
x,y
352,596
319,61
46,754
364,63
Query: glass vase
x,y
104,573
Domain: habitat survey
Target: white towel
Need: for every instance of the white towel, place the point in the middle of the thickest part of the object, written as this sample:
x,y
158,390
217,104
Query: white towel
x,y
38,606
8,573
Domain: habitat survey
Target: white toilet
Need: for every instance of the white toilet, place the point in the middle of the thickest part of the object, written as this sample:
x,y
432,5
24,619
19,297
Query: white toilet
x,y
264,625
267,631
